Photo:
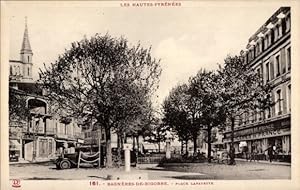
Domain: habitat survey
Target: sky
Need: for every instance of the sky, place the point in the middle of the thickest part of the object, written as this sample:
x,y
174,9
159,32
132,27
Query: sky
x,y
185,38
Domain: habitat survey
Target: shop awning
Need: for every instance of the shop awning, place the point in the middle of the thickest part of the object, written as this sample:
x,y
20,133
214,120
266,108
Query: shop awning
x,y
61,141
14,145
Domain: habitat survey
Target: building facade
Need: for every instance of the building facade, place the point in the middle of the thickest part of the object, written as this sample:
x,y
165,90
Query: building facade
x,y
40,134
269,53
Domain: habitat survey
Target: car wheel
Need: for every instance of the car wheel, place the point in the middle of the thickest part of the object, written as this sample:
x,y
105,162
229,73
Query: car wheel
x,y
65,164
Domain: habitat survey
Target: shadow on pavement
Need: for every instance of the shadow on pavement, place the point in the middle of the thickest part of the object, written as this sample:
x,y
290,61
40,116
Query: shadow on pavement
x,y
93,176
42,178
192,177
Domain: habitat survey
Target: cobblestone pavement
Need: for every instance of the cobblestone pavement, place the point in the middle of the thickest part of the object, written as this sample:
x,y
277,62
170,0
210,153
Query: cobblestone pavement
x,y
241,171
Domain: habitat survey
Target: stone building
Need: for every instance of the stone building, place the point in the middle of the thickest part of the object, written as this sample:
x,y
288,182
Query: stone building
x,y
269,52
38,135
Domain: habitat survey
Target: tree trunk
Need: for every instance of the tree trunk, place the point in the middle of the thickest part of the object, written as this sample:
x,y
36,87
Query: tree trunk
x,y
133,143
209,144
119,150
182,147
232,149
109,163
125,138
159,146
186,147
195,142
138,143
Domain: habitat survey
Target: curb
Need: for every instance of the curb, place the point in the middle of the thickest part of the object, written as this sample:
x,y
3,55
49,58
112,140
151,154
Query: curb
x,y
266,162
37,162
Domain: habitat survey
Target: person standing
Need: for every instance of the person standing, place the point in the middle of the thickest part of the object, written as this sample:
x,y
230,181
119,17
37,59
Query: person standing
x,y
270,152
245,152
275,152
253,154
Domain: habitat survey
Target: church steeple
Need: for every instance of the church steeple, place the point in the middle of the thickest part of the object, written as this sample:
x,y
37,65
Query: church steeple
x,y
26,52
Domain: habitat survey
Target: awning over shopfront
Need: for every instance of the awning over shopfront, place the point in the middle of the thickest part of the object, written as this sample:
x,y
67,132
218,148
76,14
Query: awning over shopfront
x,y
61,141
14,145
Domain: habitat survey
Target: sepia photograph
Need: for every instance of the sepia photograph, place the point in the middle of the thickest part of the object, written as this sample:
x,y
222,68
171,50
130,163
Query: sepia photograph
x,y
148,94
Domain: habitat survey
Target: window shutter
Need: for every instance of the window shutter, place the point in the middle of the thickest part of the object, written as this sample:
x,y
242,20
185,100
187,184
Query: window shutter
x,y
273,107
284,100
283,60
272,67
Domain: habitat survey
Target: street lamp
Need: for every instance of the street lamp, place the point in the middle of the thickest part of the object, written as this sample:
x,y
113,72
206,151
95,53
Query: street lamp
x,y
168,144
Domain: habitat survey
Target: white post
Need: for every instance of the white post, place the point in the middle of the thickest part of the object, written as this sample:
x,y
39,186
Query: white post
x,y
99,150
127,148
168,145
168,149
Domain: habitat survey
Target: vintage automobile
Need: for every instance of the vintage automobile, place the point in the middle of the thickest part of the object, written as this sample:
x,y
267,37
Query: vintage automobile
x,y
70,160
66,161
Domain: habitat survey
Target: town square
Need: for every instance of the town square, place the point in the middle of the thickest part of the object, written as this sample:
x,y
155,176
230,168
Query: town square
x,y
155,92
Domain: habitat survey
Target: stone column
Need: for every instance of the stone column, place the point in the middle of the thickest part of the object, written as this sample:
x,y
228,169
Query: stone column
x,y
168,149
127,148
168,145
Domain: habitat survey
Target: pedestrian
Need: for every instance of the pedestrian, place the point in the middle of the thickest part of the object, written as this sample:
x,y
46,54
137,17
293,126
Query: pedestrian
x,y
270,152
275,152
245,152
253,154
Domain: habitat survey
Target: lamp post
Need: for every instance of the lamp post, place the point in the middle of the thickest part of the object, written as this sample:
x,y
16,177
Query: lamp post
x,y
127,147
168,145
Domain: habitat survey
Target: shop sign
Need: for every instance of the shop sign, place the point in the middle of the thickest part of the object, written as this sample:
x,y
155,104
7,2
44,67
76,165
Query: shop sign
x,y
274,126
265,134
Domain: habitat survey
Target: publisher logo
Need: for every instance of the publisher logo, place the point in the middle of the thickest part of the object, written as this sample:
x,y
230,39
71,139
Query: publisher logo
x,y
16,183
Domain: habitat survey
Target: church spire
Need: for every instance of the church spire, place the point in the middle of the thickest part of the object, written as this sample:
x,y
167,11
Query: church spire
x,y
26,52
26,48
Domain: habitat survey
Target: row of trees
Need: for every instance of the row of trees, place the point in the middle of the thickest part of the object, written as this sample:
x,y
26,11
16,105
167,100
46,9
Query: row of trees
x,y
111,81
213,99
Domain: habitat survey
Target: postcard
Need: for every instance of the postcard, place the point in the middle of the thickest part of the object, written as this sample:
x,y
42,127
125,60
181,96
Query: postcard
x,y
149,94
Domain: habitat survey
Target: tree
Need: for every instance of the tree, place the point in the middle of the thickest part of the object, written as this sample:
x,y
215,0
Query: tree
x,y
240,89
18,110
106,77
177,115
203,87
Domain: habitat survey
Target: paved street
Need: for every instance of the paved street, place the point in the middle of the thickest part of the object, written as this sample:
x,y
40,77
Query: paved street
x,y
241,171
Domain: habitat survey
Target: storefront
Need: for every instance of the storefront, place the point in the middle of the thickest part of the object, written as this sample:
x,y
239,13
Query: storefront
x,y
259,137
39,149
14,150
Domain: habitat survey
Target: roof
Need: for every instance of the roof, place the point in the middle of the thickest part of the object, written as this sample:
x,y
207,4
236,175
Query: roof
x,y
15,61
26,48
273,19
